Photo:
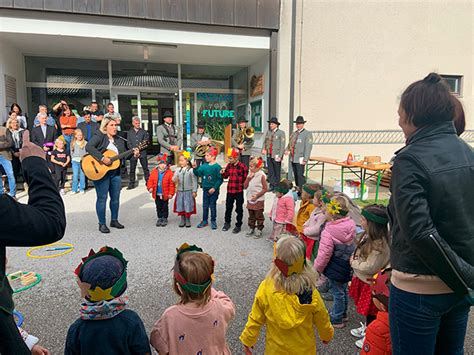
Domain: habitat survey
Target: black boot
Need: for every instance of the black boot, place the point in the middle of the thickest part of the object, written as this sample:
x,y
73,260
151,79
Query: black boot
x,y
226,227
116,224
103,228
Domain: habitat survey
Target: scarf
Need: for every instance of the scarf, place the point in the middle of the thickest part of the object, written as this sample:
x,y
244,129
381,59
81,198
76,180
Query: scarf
x,y
103,309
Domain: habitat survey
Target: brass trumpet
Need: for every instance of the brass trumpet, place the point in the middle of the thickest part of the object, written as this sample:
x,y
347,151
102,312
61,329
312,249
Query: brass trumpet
x,y
201,150
246,134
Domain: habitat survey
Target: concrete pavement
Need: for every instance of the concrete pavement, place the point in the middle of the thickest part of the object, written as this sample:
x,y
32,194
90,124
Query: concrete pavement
x,y
241,263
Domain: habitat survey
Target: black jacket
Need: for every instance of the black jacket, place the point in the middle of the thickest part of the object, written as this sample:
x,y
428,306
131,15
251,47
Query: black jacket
x,y
431,208
83,127
38,138
136,137
42,221
99,143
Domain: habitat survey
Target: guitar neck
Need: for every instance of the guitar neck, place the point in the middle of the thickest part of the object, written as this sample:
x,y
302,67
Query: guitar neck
x,y
121,155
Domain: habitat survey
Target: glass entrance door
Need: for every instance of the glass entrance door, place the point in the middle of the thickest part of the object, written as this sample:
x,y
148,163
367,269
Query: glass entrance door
x,y
127,107
153,106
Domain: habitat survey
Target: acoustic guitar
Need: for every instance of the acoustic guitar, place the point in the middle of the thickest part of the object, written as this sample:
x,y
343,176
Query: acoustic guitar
x,y
96,170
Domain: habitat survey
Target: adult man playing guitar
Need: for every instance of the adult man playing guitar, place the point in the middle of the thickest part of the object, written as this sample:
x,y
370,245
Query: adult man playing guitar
x,y
111,183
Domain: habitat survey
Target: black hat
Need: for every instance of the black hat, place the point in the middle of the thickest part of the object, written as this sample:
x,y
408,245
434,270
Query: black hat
x,y
274,120
242,119
168,114
201,125
300,119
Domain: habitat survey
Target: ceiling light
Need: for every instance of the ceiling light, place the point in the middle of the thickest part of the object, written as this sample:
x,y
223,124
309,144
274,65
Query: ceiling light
x,y
130,43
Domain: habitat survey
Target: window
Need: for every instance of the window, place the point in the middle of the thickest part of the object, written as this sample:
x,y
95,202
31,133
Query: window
x,y
455,83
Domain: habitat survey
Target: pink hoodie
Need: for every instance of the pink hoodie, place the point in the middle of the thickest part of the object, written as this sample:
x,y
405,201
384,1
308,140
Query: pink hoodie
x,y
184,329
283,209
341,231
312,227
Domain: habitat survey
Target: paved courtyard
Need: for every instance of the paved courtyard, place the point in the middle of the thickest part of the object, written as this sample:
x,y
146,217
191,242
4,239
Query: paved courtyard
x,y
241,263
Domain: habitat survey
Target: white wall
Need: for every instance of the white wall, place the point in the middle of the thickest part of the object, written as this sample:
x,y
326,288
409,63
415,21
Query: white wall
x,y
12,64
357,57
259,68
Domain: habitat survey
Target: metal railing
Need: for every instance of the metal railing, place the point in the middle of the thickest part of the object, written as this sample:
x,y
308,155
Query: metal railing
x,y
368,137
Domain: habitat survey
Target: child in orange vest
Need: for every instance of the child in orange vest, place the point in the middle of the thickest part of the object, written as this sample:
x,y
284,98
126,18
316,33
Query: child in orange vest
x,y
160,184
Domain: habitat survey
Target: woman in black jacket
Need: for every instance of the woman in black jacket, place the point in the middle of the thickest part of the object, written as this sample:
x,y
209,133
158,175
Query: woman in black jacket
x,y
111,183
432,219
41,221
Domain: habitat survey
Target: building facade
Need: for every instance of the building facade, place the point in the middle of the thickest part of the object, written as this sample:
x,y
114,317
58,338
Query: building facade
x,y
342,65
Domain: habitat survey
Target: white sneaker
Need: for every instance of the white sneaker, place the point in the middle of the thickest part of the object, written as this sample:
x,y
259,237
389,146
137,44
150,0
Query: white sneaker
x,y
250,233
360,343
73,192
83,192
258,234
359,332
62,192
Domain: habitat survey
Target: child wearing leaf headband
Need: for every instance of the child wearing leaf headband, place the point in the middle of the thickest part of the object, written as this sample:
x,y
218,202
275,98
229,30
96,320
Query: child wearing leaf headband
x,y
335,249
199,322
105,325
288,304
186,190
256,186
372,254
306,206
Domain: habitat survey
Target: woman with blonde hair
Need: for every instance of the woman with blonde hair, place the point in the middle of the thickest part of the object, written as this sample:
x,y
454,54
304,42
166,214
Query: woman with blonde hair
x,y
289,304
111,183
15,131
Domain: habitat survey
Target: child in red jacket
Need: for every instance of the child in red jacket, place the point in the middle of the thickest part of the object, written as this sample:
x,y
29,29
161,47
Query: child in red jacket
x,y
377,335
160,184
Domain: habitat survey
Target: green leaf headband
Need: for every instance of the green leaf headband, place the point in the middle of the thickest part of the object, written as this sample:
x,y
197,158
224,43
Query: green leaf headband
x,y
325,196
334,207
309,191
374,218
185,285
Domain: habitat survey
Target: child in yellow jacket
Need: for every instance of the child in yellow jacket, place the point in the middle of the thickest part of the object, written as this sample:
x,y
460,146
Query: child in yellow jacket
x,y
289,304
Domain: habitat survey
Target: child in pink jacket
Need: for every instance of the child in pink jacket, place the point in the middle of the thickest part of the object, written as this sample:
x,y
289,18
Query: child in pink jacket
x,y
335,249
198,323
313,226
283,209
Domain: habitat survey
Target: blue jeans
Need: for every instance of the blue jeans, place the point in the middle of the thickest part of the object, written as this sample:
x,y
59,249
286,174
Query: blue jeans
x,y
427,324
339,293
78,175
68,140
110,184
209,201
8,167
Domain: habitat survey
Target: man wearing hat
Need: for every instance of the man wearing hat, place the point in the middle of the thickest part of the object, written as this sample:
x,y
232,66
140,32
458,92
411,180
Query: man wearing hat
x,y
299,149
169,137
274,148
199,138
245,147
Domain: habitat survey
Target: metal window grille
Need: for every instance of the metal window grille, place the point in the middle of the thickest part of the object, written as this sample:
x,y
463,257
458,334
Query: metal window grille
x,y
368,137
